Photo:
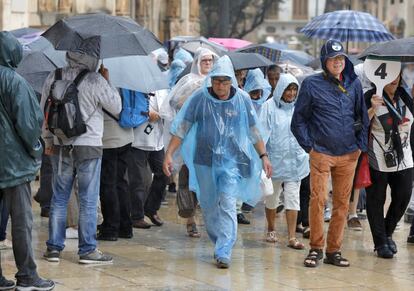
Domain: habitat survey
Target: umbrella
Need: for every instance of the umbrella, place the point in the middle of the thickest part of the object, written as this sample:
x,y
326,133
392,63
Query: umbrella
x,y
22,32
347,25
230,43
191,44
402,48
297,70
39,59
244,61
268,50
139,73
102,36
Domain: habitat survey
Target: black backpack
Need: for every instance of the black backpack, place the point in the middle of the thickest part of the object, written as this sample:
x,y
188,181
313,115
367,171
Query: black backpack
x,y
62,111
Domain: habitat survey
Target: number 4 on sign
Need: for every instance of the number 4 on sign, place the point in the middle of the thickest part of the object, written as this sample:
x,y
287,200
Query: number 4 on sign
x,y
381,72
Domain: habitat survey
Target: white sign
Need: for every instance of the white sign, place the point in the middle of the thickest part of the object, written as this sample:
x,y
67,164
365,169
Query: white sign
x,y
381,72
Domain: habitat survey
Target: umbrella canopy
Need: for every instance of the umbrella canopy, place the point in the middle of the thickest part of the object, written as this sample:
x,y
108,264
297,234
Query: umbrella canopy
x,y
245,61
139,73
191,44
402,48
39,59
102,36
230,43
269,50
347,25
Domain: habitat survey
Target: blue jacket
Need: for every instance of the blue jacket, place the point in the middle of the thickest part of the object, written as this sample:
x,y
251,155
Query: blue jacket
x,y
20,119
289,161
324,116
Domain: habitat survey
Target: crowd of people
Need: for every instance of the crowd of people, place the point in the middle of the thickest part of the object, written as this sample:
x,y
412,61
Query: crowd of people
x,y
227,134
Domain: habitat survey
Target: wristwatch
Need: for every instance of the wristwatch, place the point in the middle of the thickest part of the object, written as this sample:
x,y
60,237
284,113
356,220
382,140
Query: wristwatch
x,y
263,155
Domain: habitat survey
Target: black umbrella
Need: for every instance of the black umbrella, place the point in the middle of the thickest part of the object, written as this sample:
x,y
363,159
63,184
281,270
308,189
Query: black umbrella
x,y
240,61
102,36
402,48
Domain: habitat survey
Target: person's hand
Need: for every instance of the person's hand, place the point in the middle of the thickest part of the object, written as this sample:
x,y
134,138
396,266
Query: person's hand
x,y
104,72
376,102
153,116
267,166
167,165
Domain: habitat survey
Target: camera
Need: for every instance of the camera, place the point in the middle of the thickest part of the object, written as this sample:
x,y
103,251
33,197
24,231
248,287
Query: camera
x,y
390,160
148,129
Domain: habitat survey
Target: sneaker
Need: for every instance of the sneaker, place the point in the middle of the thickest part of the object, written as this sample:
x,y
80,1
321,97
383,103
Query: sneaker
x,y
5,245
52,255
241,219
6,284
246,208
72,233
39,285
172,188
96,257
141,224
354,224
327,215
409,214
222,263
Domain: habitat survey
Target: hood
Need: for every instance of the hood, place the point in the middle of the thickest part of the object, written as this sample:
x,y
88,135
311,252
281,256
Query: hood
x,y
176,68
284,82
200,53
183,55
333,48
11,51
255,80
223,67
81,60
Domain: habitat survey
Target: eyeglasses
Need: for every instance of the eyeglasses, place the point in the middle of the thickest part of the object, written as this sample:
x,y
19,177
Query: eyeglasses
x,y
207,61
224,82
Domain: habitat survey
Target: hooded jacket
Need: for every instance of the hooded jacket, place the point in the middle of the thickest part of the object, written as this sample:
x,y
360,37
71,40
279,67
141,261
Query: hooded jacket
x,y
324,116
94,93
289,161
20,119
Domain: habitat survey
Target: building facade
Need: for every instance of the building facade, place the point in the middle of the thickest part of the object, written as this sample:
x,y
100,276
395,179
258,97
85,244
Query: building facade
x,y
166,18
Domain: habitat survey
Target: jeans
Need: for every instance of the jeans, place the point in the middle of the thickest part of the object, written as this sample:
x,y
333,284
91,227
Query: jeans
x,y
145,201
401,184
114,194
88,174
18,202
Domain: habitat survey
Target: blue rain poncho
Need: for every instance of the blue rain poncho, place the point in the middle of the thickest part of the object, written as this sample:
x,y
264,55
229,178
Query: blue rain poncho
x,y
176,68
218,138
255,80
289,161
183,55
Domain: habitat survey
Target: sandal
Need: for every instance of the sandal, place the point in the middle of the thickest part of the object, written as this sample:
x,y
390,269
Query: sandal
x,y
271,237
313,258
306,232
192,230
336,259
295,244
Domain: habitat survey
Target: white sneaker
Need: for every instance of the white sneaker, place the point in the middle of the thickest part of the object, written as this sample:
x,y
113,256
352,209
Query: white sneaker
x,y
71,233
6,244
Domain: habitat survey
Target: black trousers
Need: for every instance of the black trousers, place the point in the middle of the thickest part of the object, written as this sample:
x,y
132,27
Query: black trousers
x,y
144,200
401,185
304,195
114,192
45,192
18,202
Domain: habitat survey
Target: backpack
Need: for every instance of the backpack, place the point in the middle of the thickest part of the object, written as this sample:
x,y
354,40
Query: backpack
x,y
135,109
62,111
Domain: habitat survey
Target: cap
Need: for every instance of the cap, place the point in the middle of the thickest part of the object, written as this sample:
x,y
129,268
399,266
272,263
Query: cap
x,y
332,48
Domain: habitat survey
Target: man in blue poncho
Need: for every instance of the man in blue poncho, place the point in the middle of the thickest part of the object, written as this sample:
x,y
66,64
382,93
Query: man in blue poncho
x,y
222,148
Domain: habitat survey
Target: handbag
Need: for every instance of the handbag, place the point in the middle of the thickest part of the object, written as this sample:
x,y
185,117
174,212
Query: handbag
x,y
362,174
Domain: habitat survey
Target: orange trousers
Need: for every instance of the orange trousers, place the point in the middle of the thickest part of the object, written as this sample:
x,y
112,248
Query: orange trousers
x,y
341,169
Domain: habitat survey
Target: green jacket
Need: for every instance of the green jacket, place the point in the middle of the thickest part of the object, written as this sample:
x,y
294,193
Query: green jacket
x,y
20,119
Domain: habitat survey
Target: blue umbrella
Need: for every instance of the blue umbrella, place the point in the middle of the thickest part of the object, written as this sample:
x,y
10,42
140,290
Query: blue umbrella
x,y
347,25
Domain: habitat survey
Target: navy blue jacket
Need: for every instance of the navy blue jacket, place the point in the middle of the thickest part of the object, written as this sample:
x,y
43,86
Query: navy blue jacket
x,y
324,116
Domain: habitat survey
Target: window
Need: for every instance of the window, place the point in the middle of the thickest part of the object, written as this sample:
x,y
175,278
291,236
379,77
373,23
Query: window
x,y
270,29
300,9
273,11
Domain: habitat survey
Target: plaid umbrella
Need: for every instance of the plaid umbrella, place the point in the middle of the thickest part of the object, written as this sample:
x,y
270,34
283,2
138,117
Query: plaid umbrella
x,y
347,25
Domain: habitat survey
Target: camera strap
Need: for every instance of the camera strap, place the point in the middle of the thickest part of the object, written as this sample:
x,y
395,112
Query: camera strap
x,y
378,142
